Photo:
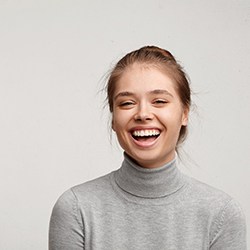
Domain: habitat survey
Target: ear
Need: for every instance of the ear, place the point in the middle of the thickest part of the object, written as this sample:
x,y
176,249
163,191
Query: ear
x,y
185,117
113,125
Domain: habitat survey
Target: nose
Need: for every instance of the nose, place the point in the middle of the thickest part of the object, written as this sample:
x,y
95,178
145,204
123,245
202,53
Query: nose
x,y
143,113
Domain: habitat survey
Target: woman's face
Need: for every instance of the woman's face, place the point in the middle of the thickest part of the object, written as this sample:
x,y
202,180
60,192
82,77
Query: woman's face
x,y
147,115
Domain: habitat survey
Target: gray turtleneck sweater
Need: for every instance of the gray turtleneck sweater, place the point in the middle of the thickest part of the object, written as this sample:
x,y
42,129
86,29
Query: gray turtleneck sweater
x,y
134,208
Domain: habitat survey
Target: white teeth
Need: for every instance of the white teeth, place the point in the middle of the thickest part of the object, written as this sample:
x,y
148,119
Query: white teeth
x,y
151,132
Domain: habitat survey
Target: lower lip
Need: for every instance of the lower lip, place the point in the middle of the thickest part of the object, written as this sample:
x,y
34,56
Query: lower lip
x,y
145,144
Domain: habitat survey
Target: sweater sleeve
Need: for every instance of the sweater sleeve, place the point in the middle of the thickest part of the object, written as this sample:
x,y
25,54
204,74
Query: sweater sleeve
x,y
229,229
66,230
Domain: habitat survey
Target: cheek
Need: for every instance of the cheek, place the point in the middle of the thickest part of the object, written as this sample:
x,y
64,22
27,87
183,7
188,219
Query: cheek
x,y
118,122
172,118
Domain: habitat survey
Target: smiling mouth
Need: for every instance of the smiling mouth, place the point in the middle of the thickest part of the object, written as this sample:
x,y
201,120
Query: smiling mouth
x,y
146,135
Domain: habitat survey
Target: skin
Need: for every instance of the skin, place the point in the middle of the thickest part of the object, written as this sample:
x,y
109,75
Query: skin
x,y
145,100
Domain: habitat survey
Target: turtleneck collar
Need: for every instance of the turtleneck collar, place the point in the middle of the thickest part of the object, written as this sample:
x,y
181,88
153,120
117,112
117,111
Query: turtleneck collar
x,y
149,183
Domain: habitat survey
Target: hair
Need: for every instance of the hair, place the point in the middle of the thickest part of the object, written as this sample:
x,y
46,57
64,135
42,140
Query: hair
x,y
162,59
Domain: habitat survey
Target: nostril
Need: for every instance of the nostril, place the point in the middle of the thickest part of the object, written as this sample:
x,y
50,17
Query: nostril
x,y
143,117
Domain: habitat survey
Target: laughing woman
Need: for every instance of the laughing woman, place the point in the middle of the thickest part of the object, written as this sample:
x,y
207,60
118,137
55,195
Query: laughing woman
x,y
147,203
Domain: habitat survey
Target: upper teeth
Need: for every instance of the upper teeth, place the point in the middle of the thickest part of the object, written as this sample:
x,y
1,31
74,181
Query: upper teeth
x,y
150,132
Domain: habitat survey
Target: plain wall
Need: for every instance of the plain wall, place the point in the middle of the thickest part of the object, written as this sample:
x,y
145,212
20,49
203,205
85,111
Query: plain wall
x,y
54,131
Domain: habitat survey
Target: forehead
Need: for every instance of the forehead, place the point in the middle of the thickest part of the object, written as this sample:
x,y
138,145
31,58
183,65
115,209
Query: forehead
x,y
140,78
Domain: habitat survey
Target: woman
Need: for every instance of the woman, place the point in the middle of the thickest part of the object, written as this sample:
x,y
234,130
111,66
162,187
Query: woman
x,y
147,203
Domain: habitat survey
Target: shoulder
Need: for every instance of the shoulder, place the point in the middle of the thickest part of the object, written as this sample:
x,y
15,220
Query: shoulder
x,y
223,213
229,227
212,202
70,202
85,193
95,187
203,192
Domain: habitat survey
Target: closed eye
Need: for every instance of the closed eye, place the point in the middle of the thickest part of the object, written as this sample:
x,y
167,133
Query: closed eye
x,y
126,104
160,101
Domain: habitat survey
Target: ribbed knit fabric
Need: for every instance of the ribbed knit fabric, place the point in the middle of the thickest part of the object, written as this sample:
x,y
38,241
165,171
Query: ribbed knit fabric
x,y
135,208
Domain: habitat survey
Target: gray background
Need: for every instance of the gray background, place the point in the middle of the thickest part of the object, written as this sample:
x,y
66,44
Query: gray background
x,y
54,132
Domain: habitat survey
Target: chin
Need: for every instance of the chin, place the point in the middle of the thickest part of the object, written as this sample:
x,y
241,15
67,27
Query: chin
x,y
151,159
144,160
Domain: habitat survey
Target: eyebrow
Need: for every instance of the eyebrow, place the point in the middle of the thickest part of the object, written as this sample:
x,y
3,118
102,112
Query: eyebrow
x,y
160,91
124,93
153,92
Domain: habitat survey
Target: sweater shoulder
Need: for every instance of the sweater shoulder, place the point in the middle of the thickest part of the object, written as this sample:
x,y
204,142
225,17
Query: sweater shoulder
x,y
222,212
71,202
93,190
204,192
208,201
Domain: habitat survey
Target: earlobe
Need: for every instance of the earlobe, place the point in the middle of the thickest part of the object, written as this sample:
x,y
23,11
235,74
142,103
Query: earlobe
x,y
185,117
185,121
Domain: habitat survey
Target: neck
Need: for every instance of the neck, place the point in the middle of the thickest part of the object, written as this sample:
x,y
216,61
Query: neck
x,y
149,183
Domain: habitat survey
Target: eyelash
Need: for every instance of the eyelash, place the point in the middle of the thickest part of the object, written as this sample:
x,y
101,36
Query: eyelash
x,y
124,104
130,103
160,101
